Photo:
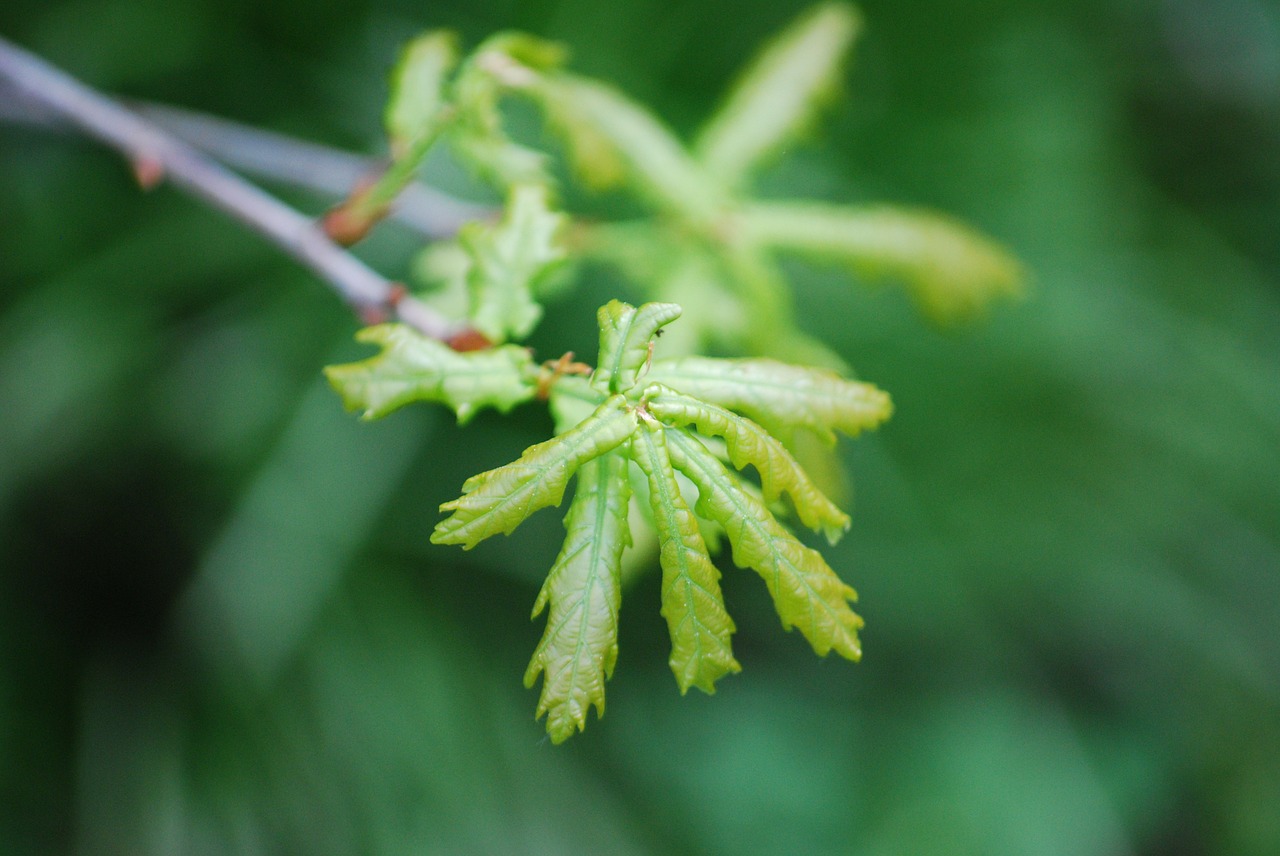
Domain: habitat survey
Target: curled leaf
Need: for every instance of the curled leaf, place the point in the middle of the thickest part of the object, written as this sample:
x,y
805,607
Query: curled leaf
x,y
412,367
805,591
584,589
625,336
501,499
701,648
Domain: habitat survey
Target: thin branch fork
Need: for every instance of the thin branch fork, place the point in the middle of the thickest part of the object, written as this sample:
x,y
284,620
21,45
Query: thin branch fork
x,y
157,155
277,158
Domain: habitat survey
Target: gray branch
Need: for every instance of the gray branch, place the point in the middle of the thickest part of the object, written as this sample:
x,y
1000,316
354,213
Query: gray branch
x,y
158,154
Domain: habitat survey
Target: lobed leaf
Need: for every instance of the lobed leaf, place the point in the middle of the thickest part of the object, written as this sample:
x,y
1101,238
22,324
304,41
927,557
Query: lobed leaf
x,y
657,162
508,261
413,367
952,270
779,93
701,647
418,89
499,500
779,396
805,591
625,335
749,443
584,589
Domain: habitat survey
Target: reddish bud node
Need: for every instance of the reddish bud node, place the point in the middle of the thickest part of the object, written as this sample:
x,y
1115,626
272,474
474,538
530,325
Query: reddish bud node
x,y
148,171
469,340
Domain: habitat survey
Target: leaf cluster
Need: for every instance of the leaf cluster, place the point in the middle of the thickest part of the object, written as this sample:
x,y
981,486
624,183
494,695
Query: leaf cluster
x,y
651,421
707,241
667,438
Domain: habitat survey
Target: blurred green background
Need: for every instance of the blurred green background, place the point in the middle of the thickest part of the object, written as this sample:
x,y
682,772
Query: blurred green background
x,y
223,629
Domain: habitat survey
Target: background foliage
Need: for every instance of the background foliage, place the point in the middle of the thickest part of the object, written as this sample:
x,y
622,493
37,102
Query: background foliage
x,y
223,628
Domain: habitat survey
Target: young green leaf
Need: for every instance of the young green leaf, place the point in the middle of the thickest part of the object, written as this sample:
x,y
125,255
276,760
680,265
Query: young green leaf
x,y
417,89
509,260
806,592
572,399
499,500
770,316
592,154
512,58
584,588
413,367
748,443
780,397
655,159
625,335
952,270
496,159
701,649
415,116
779,94
502,63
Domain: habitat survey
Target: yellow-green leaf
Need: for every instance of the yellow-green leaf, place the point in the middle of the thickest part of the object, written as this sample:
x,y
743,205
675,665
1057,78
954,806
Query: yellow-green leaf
x,y
509,260
625,336
806,592
495,158
780,92
584,589
749,443
502,63
413,367
592,154
658,164
779,396
952,270
417,89
701,629
501,499
571,400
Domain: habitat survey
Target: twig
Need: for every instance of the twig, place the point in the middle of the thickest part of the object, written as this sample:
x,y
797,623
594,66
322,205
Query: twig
x,y
278,158
157,155
333,172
